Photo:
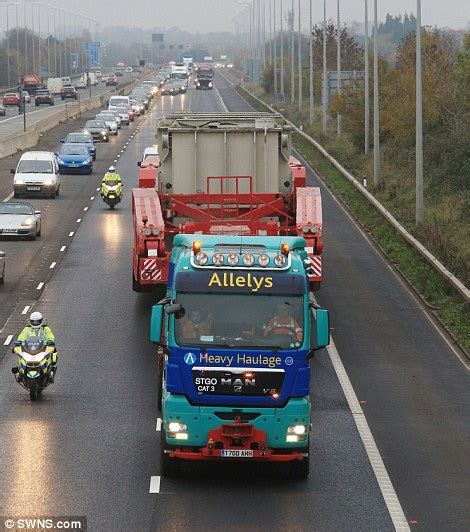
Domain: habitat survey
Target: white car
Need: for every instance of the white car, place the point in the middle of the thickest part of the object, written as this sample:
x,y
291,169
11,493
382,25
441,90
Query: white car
x,y
128,69
37,173
81,84
104,78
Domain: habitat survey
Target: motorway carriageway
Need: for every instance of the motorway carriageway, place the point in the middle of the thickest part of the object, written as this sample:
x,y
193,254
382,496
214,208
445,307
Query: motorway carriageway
x,y
92,441
13,122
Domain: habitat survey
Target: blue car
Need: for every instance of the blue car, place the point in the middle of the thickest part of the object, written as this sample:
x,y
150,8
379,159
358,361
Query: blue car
x,y
81,137
75,158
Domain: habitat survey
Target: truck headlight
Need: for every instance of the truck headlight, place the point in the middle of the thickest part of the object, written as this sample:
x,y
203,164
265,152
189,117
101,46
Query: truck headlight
x,y
280,260
202,258
232,259
296,433
175,426
248,259
263,260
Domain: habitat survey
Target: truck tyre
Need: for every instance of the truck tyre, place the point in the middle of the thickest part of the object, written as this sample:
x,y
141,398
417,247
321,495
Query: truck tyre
x,y
170,467
299,469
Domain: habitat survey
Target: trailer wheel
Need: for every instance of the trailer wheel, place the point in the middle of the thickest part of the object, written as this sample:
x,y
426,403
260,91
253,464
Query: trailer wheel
x,y
299,469
170,467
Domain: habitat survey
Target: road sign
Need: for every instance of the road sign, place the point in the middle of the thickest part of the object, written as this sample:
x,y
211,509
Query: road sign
x,y
93,50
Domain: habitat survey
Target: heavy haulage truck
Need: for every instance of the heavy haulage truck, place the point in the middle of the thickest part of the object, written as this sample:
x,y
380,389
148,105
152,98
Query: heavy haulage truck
x,y
229,234
235,333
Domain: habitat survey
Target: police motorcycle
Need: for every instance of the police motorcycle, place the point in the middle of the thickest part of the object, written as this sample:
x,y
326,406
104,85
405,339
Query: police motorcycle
x,y
112,193
34,367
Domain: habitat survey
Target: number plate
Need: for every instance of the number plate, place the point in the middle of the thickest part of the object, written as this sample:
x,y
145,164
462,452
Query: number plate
x,y
236,453
33,188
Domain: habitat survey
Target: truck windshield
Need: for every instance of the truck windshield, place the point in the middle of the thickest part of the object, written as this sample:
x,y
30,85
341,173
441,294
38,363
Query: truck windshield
x,y
233,320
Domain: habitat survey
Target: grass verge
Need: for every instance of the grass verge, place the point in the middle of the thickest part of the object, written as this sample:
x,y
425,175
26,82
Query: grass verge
x,y
439,296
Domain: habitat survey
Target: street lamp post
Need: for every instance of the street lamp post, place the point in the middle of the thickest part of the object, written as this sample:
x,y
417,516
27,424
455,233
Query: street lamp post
x,y
311,107
377,176
419,121
366,81
324,84
282,54
276,88
338,65
300,61
292,60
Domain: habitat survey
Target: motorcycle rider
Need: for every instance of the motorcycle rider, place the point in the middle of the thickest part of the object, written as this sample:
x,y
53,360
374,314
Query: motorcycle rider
x,y
41,330
110,175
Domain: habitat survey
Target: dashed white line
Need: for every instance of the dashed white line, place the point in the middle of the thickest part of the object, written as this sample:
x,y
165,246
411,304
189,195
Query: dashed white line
x,y
8,198
53,265
71,233
39,286
92,198
386,487
7,342
85,209
159,424
118,155
25,310
155,484
79,220
98,189
122,151
63,248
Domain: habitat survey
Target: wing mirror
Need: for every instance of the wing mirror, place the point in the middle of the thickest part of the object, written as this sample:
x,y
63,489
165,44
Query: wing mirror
x,y
320,330
139,163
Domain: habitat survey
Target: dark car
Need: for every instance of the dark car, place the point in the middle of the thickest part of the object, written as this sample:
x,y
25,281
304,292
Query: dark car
x,y
43,96
98,130
69,92
112,81
81,137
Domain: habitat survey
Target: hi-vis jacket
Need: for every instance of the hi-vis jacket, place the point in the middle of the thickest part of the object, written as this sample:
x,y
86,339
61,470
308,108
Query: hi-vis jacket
x,y
44,332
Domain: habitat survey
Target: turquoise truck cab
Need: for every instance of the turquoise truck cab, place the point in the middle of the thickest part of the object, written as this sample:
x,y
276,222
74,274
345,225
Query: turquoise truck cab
x,y
235,333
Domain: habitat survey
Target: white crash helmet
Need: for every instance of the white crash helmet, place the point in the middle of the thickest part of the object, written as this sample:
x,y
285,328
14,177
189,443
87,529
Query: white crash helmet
x,y
35,319
111,169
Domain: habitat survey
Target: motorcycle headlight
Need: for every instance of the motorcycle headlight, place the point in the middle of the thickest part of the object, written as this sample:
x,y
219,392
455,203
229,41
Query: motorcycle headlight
x,y
147,231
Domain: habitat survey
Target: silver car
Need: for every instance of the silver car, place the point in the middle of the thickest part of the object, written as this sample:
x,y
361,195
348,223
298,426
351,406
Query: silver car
x,y
110,121
19,219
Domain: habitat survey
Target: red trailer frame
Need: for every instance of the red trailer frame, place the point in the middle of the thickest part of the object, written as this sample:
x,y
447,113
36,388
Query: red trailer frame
x,y
158,216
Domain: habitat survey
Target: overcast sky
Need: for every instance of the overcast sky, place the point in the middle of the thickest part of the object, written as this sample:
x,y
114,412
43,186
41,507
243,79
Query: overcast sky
x,y
210,15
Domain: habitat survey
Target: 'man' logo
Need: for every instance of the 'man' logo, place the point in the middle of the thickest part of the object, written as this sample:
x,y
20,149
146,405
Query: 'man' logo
x,y
233,280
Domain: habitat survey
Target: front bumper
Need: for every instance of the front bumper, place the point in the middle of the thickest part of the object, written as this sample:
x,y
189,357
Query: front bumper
x,y
18,233
214,430
82,169
35,190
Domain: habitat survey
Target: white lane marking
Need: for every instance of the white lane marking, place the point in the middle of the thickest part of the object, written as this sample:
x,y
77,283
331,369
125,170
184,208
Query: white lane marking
x,y
159,424
79,220
118,155
155,484
122,151
39,286
7,342
8,198
386,487
98,189
224,107
85,209
63,248
71,233
115,160
53,265
92,198
25,310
